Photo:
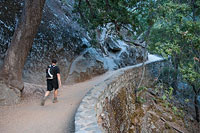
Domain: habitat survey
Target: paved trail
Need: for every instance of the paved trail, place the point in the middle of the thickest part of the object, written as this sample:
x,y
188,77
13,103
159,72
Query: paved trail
x,y
53,117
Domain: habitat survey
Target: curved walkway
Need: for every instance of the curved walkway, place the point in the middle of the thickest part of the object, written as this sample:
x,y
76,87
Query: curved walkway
x,y
30,117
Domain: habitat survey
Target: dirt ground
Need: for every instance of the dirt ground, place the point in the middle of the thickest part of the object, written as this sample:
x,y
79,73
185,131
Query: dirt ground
x,y
30,117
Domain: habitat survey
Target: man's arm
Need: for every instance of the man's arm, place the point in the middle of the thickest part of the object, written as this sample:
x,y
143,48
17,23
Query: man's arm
x,y
59,80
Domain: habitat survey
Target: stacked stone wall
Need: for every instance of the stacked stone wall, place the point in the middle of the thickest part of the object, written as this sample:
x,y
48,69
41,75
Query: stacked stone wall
x,y
111,104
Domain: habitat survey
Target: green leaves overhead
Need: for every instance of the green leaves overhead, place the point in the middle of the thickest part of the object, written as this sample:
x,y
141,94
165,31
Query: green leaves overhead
x,y
98,13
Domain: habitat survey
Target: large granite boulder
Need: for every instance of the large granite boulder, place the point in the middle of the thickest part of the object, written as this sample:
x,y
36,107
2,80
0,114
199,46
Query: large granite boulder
x,y
86,66
93,62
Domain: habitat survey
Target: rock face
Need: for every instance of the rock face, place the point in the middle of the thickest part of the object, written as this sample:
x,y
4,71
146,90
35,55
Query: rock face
x,y
8,95
112,45
92,62
60,36
89,64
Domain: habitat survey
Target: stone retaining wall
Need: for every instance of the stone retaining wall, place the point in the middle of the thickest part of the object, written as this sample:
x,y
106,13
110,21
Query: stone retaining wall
x,y
108,106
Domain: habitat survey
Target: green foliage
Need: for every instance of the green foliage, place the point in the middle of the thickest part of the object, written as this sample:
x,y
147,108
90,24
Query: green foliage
x,y
167,97
141,100
177,111
168,94
63,1
142,88
134,15
168,75
187,100
164,97
176,34
191,73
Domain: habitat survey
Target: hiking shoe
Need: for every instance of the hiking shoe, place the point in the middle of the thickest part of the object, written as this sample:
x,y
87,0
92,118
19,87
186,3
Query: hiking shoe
x,y
42,102
55,100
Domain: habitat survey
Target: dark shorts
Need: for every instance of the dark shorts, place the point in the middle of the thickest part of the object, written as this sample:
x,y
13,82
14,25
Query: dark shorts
x,y
52,84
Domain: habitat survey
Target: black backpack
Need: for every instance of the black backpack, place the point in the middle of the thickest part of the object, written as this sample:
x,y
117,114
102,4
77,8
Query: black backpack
x,y
50,72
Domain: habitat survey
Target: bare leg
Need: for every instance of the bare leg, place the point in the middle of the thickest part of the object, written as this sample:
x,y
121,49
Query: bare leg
x,y
44,98
55,96
47,93
55,93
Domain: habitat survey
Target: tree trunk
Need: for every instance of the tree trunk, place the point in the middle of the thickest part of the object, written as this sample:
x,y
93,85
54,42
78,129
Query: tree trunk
x,y
193,10
196,92
176,68
196,107
11,72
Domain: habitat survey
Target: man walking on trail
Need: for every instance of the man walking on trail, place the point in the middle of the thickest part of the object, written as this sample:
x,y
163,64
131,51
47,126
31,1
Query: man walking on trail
x,y
53,81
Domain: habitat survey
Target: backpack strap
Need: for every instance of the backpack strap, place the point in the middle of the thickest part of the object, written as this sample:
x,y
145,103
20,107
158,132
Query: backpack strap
x,y
49,69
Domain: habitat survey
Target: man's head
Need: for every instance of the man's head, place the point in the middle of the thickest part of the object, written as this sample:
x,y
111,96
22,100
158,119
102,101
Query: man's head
x,y
54,61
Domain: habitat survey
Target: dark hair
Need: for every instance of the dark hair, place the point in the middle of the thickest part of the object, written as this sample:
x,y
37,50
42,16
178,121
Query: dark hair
x,y
54,61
